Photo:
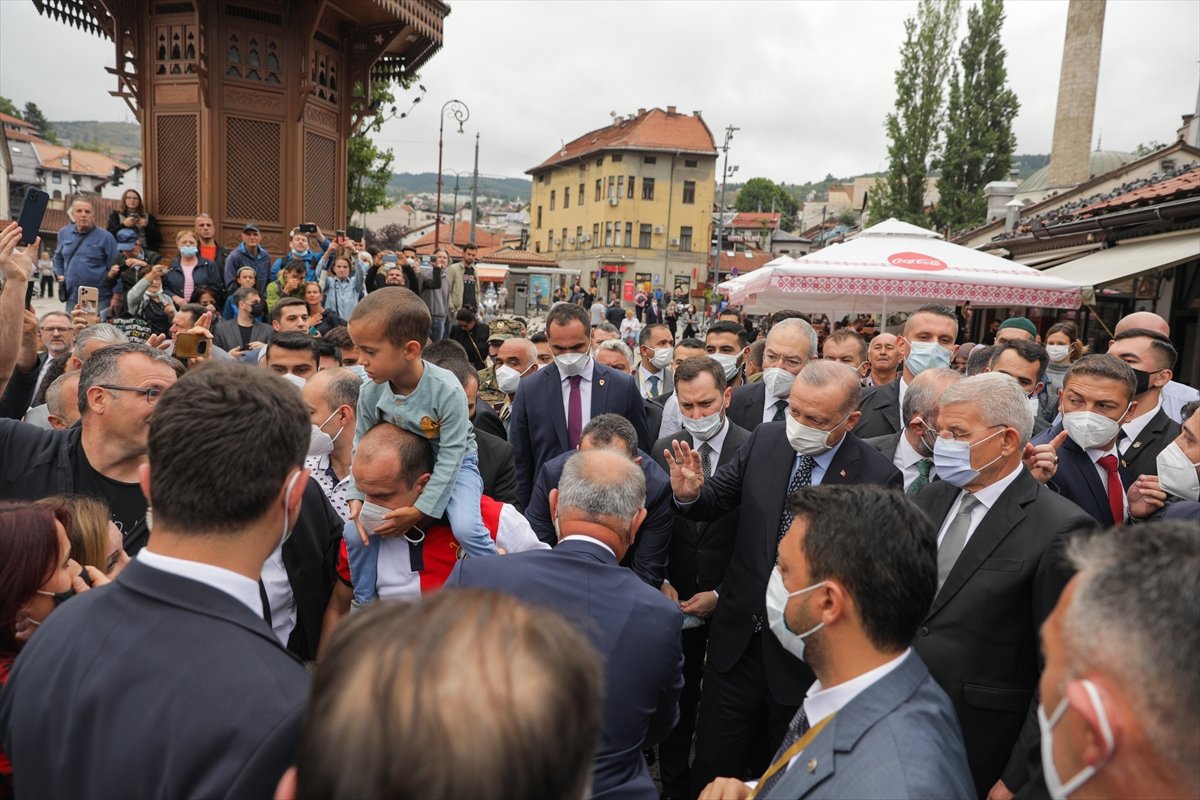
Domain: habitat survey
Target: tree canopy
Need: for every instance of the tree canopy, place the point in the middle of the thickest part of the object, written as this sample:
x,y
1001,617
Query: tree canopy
x,y
757,195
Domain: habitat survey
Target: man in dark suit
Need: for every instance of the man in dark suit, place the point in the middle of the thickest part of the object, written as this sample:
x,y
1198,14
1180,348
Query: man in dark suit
x,y
751,683
236,335
790,344
1025,362
1000,571
648,555
850,598
599,508
911,450
1097,398
551,407
1152,358
615,354
927,341
170,682
700,551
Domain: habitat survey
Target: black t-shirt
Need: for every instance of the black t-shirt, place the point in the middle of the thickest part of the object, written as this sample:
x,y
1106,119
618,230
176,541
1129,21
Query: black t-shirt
x,y
126,503
469,288
245,330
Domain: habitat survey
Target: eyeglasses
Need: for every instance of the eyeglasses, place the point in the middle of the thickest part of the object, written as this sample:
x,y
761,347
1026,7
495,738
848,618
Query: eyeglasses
x,y
55,330
964,437
152,395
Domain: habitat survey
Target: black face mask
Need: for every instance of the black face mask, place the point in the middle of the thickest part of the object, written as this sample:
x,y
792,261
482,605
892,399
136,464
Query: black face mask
x,y
256,309
1143,381
62,597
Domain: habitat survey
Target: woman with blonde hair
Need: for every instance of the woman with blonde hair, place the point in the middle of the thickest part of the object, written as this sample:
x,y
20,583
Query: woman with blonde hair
x,y
95,539
1064,348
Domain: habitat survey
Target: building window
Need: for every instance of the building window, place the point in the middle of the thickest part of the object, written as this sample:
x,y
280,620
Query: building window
x,y
629,234
596,235
630,195
620,186
551,199
649,160
566,197
539,217
599,184
689,162
600,162
608,234
579,237
581,194
685,238
689,192
617,158
542,178
644,237
56,177
563,243
647,188
612,182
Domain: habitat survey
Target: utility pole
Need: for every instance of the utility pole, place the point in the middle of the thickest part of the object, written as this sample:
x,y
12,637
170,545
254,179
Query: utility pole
x,y
721,206
454,211
475,190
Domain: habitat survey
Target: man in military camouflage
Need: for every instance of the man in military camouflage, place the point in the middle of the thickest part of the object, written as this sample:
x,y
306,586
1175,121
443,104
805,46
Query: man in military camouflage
x,y
500,331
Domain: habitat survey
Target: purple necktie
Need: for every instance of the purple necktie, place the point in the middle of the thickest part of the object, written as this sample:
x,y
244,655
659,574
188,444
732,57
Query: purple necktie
x,y
574,413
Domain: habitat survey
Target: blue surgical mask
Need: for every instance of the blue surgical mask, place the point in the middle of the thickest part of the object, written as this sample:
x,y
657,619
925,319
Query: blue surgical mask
x,y
188,250
777,600
952,460
927,355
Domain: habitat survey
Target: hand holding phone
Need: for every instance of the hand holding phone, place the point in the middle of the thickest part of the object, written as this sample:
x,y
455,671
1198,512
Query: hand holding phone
x,y
88,299
33,208
191,345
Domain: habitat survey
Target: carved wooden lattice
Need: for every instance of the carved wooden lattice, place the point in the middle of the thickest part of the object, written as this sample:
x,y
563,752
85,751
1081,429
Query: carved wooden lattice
x,y
320,179
176,141
252,149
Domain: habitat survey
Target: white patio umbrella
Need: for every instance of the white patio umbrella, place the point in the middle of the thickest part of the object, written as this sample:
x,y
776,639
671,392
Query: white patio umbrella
x,y
895,266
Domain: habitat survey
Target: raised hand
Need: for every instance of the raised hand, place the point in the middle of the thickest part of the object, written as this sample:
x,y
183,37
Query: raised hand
x,y
1146,496
1042,460
16,265
687,471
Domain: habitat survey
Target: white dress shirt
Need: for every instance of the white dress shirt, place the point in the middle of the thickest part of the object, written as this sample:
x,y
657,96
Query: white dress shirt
x,y
1174,397
821,463
987,498
768,414
585,392
279,596
1095,456
582,538
1134,428
644,376
672,418
321,469
239,587
906,460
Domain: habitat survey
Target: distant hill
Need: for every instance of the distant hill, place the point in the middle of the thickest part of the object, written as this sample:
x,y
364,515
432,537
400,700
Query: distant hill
x,y
1029,164
404,183
122,140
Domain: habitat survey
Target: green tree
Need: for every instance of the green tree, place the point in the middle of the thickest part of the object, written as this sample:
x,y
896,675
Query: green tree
x,y
757,195
35,117
369,168
979,115
914,126
9,107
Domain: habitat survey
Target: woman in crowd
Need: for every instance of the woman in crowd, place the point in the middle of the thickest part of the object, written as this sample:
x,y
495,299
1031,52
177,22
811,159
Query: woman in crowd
x,y
1064,348
688,318
148,299
245,277
189,271
96,540
344,287
133,215
211,298
630,328
321,320
671,318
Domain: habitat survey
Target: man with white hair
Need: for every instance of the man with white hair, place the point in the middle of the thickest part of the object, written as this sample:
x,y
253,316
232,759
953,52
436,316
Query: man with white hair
x,y
1000,572
516,360
616,354
790,345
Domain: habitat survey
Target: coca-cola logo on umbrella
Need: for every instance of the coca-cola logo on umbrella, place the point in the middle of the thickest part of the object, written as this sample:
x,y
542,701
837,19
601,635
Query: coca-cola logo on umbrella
x,y
917,261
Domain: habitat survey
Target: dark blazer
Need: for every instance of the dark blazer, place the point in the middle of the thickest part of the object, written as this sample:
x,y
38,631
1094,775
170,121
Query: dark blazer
x,y
755,483
310,560
898,738
886,445
488,421
746,405
163,687
1141,456
537,426
980,637
648,554
206,273
880,407
1077,480
497,468
227,336
700,551
654,415
636,631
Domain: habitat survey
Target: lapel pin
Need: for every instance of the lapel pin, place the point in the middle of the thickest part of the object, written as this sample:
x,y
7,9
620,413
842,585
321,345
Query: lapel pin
x,y
842,473
1136,445
812,765
602,381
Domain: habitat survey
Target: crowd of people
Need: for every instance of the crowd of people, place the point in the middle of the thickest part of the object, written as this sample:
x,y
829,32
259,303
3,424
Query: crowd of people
x,y
309,526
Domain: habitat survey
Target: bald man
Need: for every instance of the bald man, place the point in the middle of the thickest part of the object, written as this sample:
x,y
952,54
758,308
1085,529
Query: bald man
x,y
1175,395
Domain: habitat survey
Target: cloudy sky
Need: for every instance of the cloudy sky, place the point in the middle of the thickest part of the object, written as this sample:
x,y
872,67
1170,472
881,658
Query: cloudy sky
x,y
808,83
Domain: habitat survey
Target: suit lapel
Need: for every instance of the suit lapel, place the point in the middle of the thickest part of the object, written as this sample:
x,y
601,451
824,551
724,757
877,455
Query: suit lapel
x,y
1146,441
1087,470
557,415
601,383
734,439
845,465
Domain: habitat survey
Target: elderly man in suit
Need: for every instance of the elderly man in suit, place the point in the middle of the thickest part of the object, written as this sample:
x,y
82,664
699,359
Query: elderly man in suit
x,y
700,551
1152,357
751,683
647,556
170,682
599,508
926,341
1000,571
790,345
615,354
848,598
911,450
551,407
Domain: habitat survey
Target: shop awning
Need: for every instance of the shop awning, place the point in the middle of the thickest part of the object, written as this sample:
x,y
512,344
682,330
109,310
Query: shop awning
x,y
552,271
491,272
1128,259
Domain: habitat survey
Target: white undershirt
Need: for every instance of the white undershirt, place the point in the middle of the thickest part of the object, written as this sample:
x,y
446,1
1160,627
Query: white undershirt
x,y
279,595
1133,429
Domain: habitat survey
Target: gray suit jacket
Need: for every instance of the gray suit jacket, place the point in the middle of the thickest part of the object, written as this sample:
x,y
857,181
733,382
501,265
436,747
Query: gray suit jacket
x,y
899,738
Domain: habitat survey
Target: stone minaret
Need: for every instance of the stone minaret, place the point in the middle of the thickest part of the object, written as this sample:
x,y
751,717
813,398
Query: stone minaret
x,y
1072,146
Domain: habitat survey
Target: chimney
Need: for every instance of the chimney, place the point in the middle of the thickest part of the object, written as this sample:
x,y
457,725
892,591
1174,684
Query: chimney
x,y
641,112
1071,151
670,111
696,113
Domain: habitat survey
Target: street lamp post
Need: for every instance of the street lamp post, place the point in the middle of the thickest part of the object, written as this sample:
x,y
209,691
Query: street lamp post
x,y
721,209
458,109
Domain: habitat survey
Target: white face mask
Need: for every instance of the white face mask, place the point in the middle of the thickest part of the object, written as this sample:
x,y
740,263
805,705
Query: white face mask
x,y
704,428
728,362
1177,474
370,516
1058,352
1090,430
777,600
507,379
287,521
572,363
1054,783
778,381
809,441
321,443
1035,405
662,357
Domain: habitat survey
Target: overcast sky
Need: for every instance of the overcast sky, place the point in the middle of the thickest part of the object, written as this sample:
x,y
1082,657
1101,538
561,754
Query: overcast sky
x,y
808,83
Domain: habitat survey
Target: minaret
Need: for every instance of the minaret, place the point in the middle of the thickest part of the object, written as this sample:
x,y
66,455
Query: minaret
x,y
1071,150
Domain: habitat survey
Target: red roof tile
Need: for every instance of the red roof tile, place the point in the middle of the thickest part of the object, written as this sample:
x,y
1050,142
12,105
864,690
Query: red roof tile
x,y
757,259
85,162
484,238
652,130
756,220
1187,183
11,120
519,258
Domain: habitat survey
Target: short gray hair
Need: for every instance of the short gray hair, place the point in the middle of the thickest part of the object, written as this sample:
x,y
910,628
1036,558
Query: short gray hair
x,y
55,399
1133,616
100,332
105,365
526,345
823,374
797,325
999,398
613,344
592,488
922,397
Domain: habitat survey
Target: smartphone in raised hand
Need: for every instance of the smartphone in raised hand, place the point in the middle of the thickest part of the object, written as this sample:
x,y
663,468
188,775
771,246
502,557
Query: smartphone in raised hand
x,y
33,209
88,300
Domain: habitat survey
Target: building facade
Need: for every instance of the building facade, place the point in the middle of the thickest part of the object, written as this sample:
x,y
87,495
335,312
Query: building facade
x,y
629,205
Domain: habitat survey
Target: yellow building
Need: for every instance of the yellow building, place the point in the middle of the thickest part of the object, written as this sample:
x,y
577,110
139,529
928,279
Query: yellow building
x,y
629,205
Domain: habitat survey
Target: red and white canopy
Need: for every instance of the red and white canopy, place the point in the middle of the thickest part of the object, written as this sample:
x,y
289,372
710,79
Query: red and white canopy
x,y
897,267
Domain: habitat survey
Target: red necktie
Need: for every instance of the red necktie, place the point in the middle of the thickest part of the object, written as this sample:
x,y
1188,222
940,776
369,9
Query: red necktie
x,y
1116,490
574,412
